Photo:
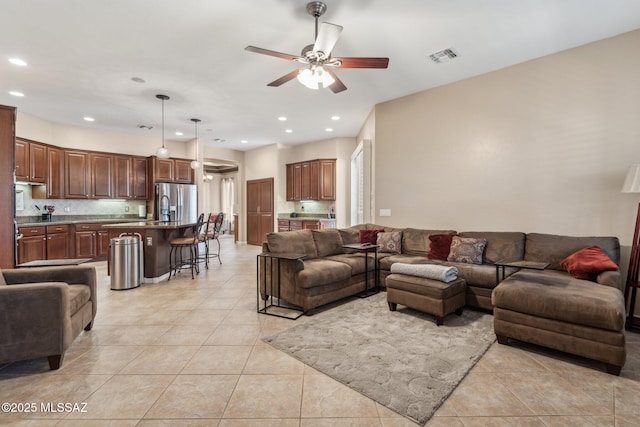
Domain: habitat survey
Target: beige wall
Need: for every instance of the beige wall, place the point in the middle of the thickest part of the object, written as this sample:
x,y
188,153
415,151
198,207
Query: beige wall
x,y
542,146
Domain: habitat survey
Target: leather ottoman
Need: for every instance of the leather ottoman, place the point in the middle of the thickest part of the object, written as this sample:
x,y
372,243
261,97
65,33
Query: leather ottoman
x,y
427,295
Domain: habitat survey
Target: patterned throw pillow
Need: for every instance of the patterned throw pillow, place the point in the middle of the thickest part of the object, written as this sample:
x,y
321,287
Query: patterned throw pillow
x,y
390,242
468,250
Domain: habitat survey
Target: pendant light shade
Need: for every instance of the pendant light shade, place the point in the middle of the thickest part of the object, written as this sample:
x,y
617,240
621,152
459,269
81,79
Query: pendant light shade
x,y
162,152
195,164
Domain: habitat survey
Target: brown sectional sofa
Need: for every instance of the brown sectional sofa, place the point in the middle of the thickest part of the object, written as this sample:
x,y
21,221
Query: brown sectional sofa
x,y
548,308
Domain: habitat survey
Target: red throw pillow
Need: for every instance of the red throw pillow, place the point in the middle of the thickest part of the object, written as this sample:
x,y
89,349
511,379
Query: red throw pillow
x,y
440,246
587,263
369,236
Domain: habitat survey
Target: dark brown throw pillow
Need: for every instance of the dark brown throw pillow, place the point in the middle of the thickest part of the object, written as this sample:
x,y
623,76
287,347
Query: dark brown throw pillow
x,y
439,246
369,236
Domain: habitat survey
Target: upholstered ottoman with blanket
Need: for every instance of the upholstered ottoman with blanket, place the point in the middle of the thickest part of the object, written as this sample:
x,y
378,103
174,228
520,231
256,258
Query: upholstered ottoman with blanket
x,y
433,289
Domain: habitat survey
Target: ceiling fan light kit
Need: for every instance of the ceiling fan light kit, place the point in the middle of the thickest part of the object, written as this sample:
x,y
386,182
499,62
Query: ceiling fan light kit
x,y
318,73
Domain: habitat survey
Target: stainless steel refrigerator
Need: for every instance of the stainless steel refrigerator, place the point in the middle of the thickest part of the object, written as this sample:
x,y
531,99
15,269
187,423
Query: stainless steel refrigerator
x,y
176,202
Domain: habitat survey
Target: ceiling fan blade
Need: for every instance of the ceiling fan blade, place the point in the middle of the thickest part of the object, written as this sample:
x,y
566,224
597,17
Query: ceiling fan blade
x,y
337,86
363,62
327,38
282,80
271,53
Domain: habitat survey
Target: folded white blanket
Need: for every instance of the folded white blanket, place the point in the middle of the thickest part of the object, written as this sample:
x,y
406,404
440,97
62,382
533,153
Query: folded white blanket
x,y
429,271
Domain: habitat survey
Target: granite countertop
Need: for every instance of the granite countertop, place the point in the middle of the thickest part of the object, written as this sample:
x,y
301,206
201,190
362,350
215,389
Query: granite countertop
x,y
74,219
306,217
166,225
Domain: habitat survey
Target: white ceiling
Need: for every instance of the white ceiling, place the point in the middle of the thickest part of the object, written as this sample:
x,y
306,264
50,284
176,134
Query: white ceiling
x,y
82,55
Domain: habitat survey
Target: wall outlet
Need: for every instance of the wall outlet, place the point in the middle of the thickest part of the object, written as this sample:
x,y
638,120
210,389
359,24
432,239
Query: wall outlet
x,y
67,209
385,212
126,208
149,241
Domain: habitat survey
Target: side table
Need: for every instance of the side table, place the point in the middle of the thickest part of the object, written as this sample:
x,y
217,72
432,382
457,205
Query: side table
x,y
531,265
274,264
366,248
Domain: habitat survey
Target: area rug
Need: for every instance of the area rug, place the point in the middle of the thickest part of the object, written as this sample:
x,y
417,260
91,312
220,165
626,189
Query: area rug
x,y
400,359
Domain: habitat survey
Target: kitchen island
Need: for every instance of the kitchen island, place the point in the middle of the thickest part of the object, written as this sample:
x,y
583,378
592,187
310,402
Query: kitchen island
x,y
156,236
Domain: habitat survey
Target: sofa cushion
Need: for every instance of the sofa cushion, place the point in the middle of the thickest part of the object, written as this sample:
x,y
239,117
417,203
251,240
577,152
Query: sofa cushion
x,y
553,248
557,295
299,242
439,246
501,245
321,271
587,263
328,242
466,249
416,241
369,236
355,261
79,295
390,242
2,281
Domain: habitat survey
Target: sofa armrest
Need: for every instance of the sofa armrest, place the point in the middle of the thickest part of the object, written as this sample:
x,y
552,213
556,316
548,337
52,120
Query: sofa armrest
x,y
610,278
73,275
35,320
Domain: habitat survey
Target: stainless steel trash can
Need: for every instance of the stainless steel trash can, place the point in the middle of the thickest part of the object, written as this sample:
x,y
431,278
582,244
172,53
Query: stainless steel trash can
x,y
125,262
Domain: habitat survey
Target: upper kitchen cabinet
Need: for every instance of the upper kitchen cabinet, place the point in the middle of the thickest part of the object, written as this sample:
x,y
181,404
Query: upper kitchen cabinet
x,y
77,174
102,176
311,180
55,173
31,161
172,170
130,177
183,172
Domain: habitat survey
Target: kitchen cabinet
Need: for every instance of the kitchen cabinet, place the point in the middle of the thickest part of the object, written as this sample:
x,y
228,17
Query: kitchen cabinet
x,y
91,241
283,225
102,176
305,224
77,174
139,178
58,242
183,173
22,160
311,180
123,166
55,173
31,161
32,246
172,170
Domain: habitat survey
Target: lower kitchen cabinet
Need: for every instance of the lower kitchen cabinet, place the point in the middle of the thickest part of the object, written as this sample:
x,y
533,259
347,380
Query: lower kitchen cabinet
x,y
32,246
91,241
58,242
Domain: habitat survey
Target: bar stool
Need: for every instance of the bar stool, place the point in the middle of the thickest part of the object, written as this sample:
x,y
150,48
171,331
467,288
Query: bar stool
x,y
180,243
212,234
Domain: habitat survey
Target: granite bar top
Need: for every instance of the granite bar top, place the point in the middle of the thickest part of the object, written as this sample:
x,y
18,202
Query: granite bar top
x,y
305,217
145,225
74,219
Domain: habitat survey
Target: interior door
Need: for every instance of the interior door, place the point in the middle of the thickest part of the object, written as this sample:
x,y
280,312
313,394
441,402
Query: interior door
x,y
260,215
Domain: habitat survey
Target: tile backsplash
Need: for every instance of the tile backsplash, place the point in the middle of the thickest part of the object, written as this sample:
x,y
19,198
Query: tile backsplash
x,y
26,205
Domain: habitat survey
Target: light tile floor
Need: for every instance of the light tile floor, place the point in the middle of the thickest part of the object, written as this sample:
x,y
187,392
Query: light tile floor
x,y
188,353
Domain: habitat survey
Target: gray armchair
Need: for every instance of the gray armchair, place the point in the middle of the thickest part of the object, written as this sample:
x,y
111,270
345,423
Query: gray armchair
x,y
42,310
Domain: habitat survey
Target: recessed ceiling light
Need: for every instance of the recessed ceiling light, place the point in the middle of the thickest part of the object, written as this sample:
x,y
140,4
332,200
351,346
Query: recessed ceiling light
x,y
282,118
288,130
16,93
18,61
89,119
335,117
243,141
329,129
138,79
179,134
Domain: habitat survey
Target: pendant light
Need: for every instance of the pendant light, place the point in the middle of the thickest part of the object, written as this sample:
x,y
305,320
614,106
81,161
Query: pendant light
x,y
162,152
195,164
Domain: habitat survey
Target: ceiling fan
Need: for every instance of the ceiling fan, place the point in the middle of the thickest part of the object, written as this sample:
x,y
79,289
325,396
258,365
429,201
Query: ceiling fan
x,y
318,72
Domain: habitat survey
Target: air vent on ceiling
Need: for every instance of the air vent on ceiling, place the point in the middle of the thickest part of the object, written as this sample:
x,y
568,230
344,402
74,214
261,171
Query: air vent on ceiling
x,y
443,56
